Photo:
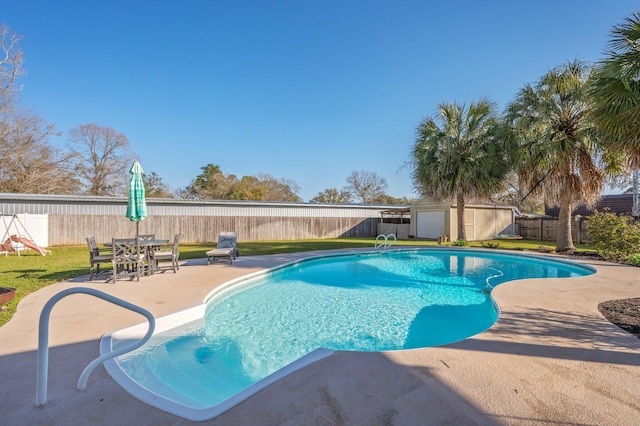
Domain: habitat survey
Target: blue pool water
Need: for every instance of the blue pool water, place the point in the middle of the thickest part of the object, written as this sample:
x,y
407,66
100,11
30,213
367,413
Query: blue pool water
x,y
388,300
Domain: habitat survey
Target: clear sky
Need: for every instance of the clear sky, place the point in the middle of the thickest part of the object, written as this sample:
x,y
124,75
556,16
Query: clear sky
x,y
303,90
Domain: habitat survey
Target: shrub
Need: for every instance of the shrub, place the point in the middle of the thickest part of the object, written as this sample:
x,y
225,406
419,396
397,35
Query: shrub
x,y
614,237
634,259
460,243
490,244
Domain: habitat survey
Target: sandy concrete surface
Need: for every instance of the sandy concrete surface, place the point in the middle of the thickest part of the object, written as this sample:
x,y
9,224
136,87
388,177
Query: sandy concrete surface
x,y
551,359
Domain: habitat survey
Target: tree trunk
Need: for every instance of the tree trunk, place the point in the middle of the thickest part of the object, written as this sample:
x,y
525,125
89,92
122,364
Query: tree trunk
x,y
564,242
460,211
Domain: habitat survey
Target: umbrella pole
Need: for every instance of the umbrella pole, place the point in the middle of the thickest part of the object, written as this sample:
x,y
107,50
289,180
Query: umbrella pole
x,y
138,244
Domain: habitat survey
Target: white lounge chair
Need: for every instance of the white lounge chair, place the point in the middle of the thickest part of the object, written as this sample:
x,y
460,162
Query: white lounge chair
x,y
226,247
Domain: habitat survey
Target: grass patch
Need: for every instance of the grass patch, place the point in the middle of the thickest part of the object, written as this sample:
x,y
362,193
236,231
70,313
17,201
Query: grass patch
x,y
31,271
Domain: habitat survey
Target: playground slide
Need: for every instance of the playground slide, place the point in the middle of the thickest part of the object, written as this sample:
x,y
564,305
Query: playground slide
x,y
30,244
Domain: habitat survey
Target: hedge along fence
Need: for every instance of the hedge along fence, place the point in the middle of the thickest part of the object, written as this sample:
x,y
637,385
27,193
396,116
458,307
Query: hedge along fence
x,y
546,229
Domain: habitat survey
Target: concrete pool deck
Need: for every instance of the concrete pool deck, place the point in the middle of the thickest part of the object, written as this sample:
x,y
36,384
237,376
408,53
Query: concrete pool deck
x,y
550,359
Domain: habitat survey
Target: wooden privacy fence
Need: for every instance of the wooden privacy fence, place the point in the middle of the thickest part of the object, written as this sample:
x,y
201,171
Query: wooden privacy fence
x,y
73,218
546,229
73,229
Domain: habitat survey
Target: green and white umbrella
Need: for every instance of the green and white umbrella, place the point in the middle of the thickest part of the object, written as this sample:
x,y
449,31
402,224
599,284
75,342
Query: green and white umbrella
x,y
137,207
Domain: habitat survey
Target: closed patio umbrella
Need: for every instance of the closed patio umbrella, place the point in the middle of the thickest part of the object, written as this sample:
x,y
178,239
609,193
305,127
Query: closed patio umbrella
x,y
137,206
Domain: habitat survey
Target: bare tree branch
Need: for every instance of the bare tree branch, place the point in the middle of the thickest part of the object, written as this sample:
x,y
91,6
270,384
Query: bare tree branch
x,y
101,159
366,186
10,68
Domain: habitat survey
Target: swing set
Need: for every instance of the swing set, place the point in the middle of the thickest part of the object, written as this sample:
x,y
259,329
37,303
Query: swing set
x,y
19,239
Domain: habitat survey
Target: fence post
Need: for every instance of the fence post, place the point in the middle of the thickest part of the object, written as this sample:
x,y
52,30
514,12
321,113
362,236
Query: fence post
x,y
540,230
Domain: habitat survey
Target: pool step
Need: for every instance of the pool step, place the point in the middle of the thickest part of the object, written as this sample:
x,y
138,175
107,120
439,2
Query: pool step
x,y
173,374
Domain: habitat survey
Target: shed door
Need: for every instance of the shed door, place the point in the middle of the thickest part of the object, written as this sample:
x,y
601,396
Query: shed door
x,y
470,224
430,224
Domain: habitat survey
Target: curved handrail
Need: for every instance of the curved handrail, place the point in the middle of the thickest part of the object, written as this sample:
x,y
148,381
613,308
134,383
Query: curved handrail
x,y
43,339
386,243
394,240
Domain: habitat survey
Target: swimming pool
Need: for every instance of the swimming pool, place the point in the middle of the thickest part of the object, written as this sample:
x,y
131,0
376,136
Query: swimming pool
x,y
252,331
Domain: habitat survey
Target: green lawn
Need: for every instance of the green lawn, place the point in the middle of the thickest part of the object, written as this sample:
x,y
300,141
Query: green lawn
x,y
31,271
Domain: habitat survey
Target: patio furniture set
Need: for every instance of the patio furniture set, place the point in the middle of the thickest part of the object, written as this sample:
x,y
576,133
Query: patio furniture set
x,y
134,257
146,255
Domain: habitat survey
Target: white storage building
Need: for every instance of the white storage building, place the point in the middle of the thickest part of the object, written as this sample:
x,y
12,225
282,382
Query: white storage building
x,y
483,220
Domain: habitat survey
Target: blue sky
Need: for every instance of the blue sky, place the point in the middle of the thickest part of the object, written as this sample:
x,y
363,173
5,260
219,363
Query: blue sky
x,y
303,90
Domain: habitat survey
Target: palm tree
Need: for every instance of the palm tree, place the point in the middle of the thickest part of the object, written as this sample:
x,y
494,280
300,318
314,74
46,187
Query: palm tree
x,y
616,89
458,154
559,142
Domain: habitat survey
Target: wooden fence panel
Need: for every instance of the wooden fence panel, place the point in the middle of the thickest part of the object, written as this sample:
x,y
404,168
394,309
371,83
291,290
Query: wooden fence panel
x,y
546,229
73,229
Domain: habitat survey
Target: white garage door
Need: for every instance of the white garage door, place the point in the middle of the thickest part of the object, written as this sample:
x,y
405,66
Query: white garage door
x,y
430,224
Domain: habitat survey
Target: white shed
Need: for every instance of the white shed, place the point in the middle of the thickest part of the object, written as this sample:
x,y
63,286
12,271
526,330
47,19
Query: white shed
x,y
483,220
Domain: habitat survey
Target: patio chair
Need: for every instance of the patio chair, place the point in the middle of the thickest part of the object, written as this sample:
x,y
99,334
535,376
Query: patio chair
x,y
226,247
127,258
95,258
167,255
147,236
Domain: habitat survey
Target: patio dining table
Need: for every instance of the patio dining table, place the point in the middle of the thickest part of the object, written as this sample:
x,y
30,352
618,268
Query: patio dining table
x,y
148,246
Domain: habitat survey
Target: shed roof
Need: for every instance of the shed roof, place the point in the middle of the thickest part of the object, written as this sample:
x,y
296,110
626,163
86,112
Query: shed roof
x,y
472,202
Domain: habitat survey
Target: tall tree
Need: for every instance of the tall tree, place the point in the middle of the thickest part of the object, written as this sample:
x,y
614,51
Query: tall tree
x,y
332,195
155,187
211,184
28,162
559,142
280,189
249,188
366,186
616,89
264,188
458,153
102,159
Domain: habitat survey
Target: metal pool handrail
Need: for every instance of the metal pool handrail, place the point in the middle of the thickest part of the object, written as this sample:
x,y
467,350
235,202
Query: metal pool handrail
x,y
43,339
385,244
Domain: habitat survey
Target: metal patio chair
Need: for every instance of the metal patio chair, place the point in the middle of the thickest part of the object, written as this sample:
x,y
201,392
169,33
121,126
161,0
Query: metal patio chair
x,y
127,257
95,258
